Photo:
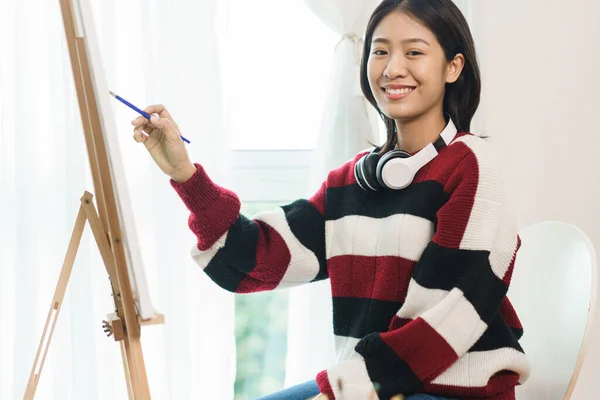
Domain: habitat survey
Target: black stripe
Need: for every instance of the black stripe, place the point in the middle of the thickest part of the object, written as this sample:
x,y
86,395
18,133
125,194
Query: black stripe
x,y
439,144
237,258
422,199
469,270
357,317
518,332
485,292
308,226
497,336
386,369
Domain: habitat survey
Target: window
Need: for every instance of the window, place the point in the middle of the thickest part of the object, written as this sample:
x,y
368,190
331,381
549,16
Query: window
x,y
277,60
276,57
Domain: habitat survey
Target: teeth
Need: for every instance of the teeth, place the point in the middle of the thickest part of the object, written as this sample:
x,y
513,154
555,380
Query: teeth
x,y
398,91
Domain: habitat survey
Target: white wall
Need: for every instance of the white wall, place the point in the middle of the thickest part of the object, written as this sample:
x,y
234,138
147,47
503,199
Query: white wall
x,y
541,103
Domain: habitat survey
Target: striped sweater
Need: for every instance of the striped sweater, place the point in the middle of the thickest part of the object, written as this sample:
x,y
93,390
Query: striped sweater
x,y
418,276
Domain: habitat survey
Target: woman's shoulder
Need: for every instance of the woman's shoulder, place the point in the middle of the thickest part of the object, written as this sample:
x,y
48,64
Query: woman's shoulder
x,y
478,145
468,148
476,160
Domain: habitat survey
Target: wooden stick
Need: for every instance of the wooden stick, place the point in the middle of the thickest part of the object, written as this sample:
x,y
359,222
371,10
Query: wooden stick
x,y
109,225
57,299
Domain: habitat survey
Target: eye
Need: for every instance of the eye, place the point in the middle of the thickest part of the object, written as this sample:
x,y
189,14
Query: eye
x,y
380,52
414,53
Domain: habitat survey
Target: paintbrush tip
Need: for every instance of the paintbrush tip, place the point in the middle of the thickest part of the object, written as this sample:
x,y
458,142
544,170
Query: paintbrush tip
x,y
112,93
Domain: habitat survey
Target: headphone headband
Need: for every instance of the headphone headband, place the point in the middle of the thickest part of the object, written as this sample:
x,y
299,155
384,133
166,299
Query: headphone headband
x,y
396,169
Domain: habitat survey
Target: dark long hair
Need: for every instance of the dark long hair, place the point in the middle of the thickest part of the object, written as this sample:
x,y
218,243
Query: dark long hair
x,y
445,20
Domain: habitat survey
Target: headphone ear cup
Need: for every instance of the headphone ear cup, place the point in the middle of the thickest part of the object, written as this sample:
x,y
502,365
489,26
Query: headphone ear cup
x,y
384,160
358,174
364,172
369,170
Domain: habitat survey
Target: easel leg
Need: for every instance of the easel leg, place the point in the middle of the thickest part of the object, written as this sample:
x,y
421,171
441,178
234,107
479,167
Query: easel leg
x,y
57,300
126,368
135,369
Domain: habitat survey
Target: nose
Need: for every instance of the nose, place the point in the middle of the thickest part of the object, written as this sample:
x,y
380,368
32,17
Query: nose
x,y
396,67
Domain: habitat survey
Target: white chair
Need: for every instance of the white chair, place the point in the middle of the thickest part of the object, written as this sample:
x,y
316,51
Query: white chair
x,y
553,290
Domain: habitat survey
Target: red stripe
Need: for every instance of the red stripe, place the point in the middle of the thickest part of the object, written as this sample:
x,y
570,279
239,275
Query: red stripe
x,y
272,261
445,164
378,278
325,385
509,272
453,218
458,171
213,209
426,361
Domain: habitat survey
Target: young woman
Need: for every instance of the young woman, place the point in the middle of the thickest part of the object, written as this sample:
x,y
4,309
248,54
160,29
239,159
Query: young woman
x,y
416,237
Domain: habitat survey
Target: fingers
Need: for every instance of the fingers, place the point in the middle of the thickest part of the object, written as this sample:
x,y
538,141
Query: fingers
x,y
162,112
139,121
166,125
160,119
158,109
139,135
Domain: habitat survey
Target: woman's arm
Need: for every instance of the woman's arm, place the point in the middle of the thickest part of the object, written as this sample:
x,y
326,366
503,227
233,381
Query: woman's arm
x,y
277,249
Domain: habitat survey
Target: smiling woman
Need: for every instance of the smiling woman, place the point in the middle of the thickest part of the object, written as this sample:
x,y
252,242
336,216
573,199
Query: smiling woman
x,y
419,269
416,65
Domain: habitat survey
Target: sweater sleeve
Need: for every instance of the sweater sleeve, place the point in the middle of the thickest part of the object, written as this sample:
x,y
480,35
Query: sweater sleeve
x,y
277,249
455,291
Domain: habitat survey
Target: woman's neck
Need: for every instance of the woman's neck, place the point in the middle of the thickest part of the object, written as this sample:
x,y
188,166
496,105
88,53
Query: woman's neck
x,y
415,134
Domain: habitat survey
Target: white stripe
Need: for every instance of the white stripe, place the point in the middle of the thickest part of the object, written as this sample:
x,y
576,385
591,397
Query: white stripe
x,y
203,257
474,369
492,224
402,235
304,265
457,321
344,348
419,300
356,384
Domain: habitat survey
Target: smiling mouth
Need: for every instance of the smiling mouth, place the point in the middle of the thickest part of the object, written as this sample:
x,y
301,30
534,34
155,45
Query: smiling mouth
x,y
397,92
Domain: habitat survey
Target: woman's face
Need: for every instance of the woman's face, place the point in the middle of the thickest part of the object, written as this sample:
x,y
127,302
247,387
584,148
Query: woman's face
x,y
407,69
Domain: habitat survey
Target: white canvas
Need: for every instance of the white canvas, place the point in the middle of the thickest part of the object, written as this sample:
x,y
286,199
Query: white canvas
x,y
141,295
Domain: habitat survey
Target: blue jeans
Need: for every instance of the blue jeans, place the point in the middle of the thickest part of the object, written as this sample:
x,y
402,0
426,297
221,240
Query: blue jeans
x,y
310,389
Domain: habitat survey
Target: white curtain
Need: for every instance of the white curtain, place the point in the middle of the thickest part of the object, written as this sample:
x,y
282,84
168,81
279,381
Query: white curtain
x,y
152,53
347,127
349,124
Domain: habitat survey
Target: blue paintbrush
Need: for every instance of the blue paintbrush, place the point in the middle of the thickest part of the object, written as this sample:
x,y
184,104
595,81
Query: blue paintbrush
x,y
143,113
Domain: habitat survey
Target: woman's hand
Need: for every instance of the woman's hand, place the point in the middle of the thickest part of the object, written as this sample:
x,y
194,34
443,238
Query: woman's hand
x,y
162,139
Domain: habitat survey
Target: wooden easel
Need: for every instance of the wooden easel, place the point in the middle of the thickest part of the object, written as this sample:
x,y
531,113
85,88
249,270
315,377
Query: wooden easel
x,y
124,324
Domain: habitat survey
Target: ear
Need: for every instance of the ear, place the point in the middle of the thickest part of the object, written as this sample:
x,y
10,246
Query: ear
x,y
454,68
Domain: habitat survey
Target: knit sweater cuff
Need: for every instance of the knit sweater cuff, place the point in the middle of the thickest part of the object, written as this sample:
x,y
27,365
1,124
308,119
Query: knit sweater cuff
x,y
348,380
199,192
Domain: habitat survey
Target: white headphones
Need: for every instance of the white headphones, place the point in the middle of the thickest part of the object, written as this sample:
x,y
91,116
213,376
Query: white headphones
x,y
396,169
